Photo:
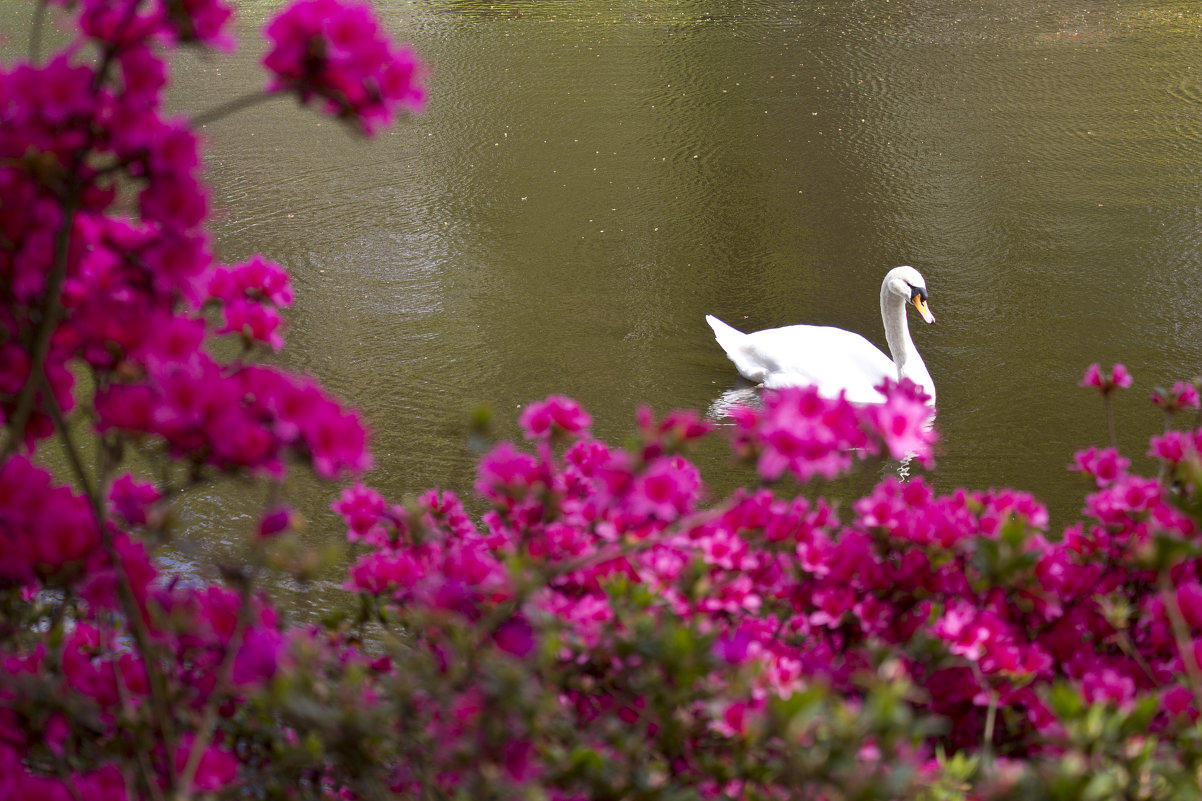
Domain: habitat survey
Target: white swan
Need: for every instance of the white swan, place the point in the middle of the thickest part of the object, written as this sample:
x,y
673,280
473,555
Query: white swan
x,y
832,359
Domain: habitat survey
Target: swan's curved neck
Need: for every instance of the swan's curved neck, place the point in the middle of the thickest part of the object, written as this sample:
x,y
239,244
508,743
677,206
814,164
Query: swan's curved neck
x,y
901,347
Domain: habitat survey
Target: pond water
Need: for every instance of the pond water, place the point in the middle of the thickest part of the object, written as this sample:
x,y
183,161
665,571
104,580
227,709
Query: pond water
x,y
591,178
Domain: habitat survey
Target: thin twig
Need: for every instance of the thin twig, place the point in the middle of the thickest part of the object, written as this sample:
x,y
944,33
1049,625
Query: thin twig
x,y
51,308
125,593
1181,635
204,734
231,107
1128,647
35,32
81,475
990,716
145,746
1114,440
50,311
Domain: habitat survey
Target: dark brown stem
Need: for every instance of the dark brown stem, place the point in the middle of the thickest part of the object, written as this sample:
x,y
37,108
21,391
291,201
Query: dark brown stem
x,y
231,107
35,32
1114,441
51,308
145,746
129,603
1181,633
208,724
50,311
1128,647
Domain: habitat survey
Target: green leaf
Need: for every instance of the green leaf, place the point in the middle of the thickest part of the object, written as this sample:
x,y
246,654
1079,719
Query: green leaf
x,y
1066,701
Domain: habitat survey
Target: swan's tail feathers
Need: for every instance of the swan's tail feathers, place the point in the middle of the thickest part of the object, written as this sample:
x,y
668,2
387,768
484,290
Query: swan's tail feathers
x,y
729,338
737,348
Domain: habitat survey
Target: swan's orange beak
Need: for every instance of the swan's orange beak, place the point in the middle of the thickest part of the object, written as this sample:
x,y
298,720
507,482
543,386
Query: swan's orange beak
x,y
923,309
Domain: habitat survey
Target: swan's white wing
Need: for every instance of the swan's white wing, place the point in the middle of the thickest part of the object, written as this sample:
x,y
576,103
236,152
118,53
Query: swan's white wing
x,y
829,358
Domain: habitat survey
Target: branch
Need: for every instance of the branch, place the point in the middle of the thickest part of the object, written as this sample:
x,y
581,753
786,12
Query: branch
x,y
1181,634
50,311
231,107
35,34
129,603
1114,440
56,414
145,747
204,734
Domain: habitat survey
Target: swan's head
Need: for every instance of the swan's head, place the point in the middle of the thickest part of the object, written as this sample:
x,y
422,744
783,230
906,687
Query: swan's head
x,y
908,283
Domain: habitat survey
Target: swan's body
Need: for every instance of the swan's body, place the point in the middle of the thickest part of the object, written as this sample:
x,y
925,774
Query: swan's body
x,y
834,360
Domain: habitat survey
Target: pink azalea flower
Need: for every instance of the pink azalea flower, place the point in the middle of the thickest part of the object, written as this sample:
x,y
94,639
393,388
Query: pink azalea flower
x,y
47,527
1171,447
803,433
177,205
56,92
734,719
217,768
261,656
362,508
1120,376
275,521
201,21
556,415
666,490
254,279
143,74
131,499
521,760
1094,377
177,341
676,430
335,51
516,636
1107,685
337,442
379,572
734,648
106,783
102,579
1105,465
1183,395
964,633
254,321
904,421
172,151
1179,701
505,472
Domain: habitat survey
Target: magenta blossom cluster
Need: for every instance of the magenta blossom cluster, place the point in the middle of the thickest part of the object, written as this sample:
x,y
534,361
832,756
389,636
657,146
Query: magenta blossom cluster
x,y
979,607
112,308
94,669
128,296
250,295
337,52
172,22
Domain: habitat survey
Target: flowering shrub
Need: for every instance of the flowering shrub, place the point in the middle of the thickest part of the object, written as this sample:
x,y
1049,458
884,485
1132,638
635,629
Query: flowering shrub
x,y
605,630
